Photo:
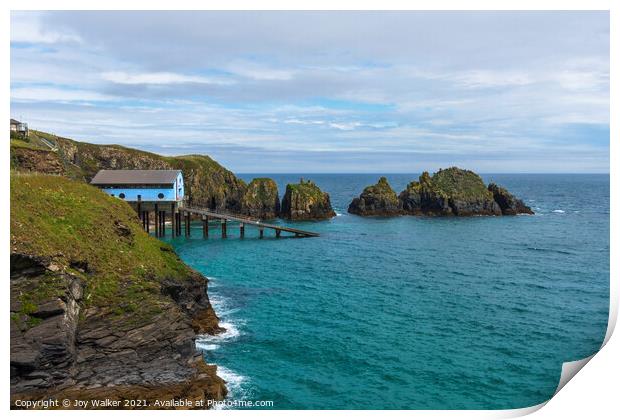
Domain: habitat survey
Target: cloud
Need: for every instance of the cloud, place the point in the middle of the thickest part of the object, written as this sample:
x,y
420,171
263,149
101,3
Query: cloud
x,y
160,78
26,28
53,94
256,71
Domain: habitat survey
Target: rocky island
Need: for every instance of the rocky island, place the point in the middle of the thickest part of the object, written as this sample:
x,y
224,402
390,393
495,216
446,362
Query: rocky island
x,y
306,201
100,309
376,200
448,192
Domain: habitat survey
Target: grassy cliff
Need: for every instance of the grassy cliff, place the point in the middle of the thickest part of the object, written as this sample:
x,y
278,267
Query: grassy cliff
x,y
83,231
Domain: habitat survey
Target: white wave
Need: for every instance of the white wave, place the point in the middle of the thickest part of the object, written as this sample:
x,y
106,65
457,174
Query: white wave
x,y
338,214
234,384
231,331
205,346
558,211
221,305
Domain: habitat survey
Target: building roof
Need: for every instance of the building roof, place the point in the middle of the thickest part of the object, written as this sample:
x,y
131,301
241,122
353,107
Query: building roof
x,y
14,121
136,176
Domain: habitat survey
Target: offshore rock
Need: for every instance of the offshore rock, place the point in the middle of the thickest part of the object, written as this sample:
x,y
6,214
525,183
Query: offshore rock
x,y
448,192
306,201
376,200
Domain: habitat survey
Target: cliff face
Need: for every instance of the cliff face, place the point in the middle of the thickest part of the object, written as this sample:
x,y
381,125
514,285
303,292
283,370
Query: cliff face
x,y
449,192
376,200
99,309
306,201
260,199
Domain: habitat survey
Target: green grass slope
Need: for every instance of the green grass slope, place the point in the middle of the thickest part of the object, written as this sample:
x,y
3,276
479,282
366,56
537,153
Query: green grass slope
x,y
87,233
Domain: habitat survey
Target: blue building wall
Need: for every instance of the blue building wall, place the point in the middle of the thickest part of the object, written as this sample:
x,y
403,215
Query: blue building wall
x,y
146,194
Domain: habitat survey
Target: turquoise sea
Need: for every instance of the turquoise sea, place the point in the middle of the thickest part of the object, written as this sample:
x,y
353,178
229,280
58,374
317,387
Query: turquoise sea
x,y
412,312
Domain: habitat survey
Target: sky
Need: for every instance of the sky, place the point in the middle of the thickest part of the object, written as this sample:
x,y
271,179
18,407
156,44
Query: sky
x,y
312,92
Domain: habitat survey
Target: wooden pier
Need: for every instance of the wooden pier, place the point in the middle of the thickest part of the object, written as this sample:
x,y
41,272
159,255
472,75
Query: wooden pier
x,y
224,218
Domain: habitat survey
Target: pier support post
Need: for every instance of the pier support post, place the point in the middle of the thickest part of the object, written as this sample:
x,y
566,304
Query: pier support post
x,y
241,230
261,233
223,228
139,209
163,224
148,221
157,220
205,226
173,222
187,223
278,232
178,215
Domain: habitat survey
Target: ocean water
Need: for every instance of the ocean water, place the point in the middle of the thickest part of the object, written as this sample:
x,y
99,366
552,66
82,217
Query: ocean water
x,y
412,312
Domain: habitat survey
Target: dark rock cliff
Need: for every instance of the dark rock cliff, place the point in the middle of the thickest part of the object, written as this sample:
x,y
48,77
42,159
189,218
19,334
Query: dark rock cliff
x,y
508,203
306,201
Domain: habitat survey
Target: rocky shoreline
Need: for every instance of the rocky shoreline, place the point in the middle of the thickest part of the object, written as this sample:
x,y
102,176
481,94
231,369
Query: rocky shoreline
x,y
449,192
87,354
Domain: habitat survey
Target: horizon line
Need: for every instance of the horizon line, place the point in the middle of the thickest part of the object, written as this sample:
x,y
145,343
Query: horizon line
x,y
415,173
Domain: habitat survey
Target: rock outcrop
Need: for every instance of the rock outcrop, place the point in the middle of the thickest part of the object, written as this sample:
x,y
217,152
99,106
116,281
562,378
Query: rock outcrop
x,y
508,203
449,192
306,201
260,199
99,309
36,160
376,200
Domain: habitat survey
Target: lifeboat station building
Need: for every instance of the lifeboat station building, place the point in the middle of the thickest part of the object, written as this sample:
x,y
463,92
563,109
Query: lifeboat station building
x,y
160,192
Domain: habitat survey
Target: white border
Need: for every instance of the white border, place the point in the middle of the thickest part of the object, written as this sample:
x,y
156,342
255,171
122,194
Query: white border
x,y
593,394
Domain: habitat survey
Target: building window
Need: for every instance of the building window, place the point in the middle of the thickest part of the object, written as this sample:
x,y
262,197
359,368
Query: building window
x,y
121,195
160,195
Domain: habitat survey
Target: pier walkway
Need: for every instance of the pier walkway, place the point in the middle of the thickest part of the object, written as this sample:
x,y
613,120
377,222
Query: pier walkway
x,y
224,218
